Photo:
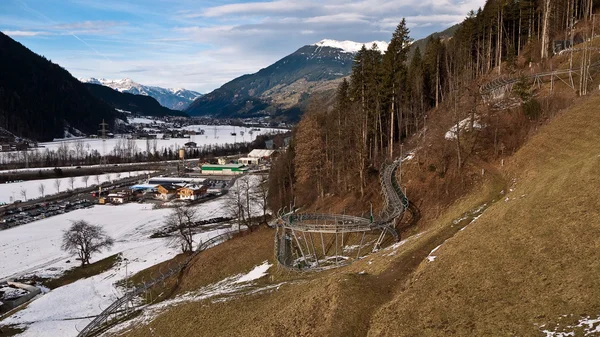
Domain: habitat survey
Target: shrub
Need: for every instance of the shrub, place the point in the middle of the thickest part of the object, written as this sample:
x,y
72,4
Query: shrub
x,y
532,109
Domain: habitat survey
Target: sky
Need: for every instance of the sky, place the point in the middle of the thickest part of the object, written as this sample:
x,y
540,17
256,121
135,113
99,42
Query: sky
x,y
202,44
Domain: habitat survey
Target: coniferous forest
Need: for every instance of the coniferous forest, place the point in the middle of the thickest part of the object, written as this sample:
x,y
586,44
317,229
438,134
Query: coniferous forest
x,y
39,99
340,144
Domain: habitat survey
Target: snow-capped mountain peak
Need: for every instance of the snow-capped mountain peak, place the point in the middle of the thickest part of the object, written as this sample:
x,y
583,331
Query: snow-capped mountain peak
x,y
351,46
177,99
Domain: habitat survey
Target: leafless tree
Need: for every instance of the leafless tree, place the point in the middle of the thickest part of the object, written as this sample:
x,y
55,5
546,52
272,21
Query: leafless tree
x,y
84,239
24,193
260,195
239,204
118,175
57,185
72,183
84,180
41,189
97,177
183,219
79,146
107,176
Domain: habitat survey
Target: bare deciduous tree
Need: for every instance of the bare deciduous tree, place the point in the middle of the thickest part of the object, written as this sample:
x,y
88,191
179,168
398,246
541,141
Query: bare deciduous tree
x,y
260,195
183,219
57,185
84,239
97,177
79,146
24,193
72,183
84,180
239,203
41,189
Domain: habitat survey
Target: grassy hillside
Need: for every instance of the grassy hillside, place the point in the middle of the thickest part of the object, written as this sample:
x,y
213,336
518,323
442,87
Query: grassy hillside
x,y
529,259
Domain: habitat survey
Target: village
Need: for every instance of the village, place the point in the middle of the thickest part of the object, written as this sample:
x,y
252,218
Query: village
x,y
199,182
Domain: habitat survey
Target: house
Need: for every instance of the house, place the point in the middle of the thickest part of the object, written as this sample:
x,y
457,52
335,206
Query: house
x,y
249,161
192,192
118,198
167,191
191,144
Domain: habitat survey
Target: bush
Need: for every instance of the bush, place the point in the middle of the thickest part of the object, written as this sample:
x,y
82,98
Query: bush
x,y
532,109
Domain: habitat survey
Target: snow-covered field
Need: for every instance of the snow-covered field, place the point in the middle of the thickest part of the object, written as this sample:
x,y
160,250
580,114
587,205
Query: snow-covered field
x,y
12,191
34,248
143,120
213,135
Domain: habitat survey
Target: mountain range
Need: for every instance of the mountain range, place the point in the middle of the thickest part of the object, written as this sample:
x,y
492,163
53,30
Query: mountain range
x,y
176,99
281,89
137,104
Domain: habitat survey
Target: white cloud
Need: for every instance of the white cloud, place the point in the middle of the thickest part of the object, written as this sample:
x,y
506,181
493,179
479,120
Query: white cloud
x,y
257,8
17,33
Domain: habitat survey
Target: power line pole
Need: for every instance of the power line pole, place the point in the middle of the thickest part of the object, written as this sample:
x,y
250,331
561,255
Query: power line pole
x,y
103,131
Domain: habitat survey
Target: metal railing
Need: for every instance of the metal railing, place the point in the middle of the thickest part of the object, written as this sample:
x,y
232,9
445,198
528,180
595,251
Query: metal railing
x,y
291,222
115,311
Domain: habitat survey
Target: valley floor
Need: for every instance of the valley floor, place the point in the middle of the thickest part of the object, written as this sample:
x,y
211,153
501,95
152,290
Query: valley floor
x,y
34,249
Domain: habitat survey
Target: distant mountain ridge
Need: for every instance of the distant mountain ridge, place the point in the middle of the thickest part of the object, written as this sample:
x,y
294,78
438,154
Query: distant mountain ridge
x,y
281,89
40,100
140,104
176,99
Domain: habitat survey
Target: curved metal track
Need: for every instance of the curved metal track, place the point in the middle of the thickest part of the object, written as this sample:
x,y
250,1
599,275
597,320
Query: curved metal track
x,y
293,223
496,88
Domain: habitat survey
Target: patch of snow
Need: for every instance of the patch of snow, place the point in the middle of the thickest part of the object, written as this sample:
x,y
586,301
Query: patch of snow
x,y
462,125
9,293
256,273
409,156
351,46
216,292
431,258
590,326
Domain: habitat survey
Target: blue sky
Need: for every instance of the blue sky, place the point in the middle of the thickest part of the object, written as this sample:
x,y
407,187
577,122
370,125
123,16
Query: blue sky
x,y
200,45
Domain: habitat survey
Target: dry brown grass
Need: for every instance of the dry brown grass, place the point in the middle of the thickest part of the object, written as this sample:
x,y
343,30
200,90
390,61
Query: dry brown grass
x,y
526,261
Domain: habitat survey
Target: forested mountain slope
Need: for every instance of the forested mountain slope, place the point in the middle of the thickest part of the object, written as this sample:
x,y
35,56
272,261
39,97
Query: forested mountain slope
x,y
280,86
39,99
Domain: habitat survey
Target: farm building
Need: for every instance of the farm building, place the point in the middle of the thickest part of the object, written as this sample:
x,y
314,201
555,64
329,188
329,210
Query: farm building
x,y
118,198
227,169
167,191
262,154
249,161
192,192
